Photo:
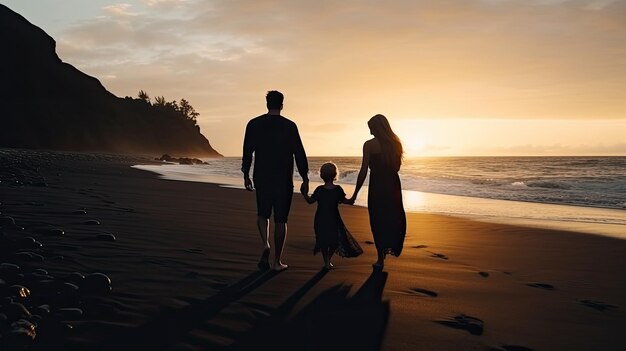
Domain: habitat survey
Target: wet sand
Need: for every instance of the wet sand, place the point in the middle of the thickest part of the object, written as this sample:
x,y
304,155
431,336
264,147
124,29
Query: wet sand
x,y
182,263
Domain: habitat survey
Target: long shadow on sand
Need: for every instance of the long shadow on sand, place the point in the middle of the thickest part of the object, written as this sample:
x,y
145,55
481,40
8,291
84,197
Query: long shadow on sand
x,y
332,321
170,326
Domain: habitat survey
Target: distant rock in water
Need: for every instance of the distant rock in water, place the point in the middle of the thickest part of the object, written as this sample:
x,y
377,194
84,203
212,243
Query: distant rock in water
x,y
49,104
182,160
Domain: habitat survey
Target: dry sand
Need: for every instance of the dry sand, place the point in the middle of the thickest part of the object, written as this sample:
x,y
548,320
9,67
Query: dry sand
x,y
183,271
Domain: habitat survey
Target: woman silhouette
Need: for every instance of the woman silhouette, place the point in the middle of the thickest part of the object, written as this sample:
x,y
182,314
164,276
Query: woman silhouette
x,y
383,156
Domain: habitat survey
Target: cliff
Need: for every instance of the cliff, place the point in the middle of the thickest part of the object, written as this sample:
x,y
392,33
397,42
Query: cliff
x,y
48,104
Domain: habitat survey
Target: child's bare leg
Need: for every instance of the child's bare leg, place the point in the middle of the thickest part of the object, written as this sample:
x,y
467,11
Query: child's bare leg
x,y
280,234
326,258
263,226
331,252
380,263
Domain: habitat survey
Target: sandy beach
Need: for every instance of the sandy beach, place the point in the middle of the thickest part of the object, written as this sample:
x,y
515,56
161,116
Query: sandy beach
x,y
183,272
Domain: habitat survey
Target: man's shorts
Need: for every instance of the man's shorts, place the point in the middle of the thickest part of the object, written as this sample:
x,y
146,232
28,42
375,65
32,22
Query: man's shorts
x,y
274,198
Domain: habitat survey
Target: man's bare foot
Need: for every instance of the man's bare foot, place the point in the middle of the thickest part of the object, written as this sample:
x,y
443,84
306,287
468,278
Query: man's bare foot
x,y
264,263
279,266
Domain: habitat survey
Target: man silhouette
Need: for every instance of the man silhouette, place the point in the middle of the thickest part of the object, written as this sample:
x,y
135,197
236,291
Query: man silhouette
x,y
275,141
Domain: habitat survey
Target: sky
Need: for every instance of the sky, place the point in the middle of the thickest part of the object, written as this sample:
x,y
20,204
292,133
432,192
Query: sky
x,y
454,77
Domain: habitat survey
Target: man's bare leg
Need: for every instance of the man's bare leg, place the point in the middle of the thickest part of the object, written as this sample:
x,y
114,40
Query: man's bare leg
x,y
263,224
280,234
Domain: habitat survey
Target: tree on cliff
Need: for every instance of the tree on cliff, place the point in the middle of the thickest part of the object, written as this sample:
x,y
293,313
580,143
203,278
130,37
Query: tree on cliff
x,y
143,96
49,104
188,111
166,109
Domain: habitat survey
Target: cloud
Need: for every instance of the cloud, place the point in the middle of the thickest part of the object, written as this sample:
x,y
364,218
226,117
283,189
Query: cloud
x,y
164,4
121,10
341,62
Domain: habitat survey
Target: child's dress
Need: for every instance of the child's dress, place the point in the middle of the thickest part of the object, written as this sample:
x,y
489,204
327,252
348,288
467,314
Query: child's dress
x,y
330,232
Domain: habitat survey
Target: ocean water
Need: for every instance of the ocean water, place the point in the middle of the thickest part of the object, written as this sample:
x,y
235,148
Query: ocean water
x,y
579,193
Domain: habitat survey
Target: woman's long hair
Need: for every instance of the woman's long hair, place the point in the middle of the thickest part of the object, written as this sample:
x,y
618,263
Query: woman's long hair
x,y
391,147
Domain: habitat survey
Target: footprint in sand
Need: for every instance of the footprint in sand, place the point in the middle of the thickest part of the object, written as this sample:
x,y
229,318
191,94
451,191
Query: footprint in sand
x,y
194,250
598,305
483,274
369,242
441,256
420,246
259,310
470,324
541,286
422,292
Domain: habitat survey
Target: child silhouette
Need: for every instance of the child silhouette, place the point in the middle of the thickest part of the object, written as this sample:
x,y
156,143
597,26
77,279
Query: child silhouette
x,y
331,235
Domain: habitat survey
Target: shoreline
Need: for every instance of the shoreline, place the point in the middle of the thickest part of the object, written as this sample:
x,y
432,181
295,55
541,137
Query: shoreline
x,y
523,213
183,271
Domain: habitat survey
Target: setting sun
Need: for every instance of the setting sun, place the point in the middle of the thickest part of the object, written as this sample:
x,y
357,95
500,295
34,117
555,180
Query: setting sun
x,y
413,137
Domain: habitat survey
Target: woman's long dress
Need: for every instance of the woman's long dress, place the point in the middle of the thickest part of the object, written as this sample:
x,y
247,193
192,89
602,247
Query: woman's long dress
x,y
384,202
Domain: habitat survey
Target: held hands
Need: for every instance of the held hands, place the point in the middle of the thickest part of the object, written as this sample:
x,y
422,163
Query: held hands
x,y
352,199
304,188
349,201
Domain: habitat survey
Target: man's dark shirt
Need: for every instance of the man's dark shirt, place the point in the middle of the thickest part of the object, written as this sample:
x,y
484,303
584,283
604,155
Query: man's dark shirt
x,y
275,141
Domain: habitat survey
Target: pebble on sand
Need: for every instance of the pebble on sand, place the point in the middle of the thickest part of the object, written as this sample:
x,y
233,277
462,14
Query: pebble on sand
x,y
54,232
96,283
105,237
21,335
41,271
16,310
9,270
69,289
19,291
76,278
42,310
27,256
7,221
28,242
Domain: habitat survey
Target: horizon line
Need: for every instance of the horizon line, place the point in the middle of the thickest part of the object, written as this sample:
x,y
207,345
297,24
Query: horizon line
x,y
451,156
